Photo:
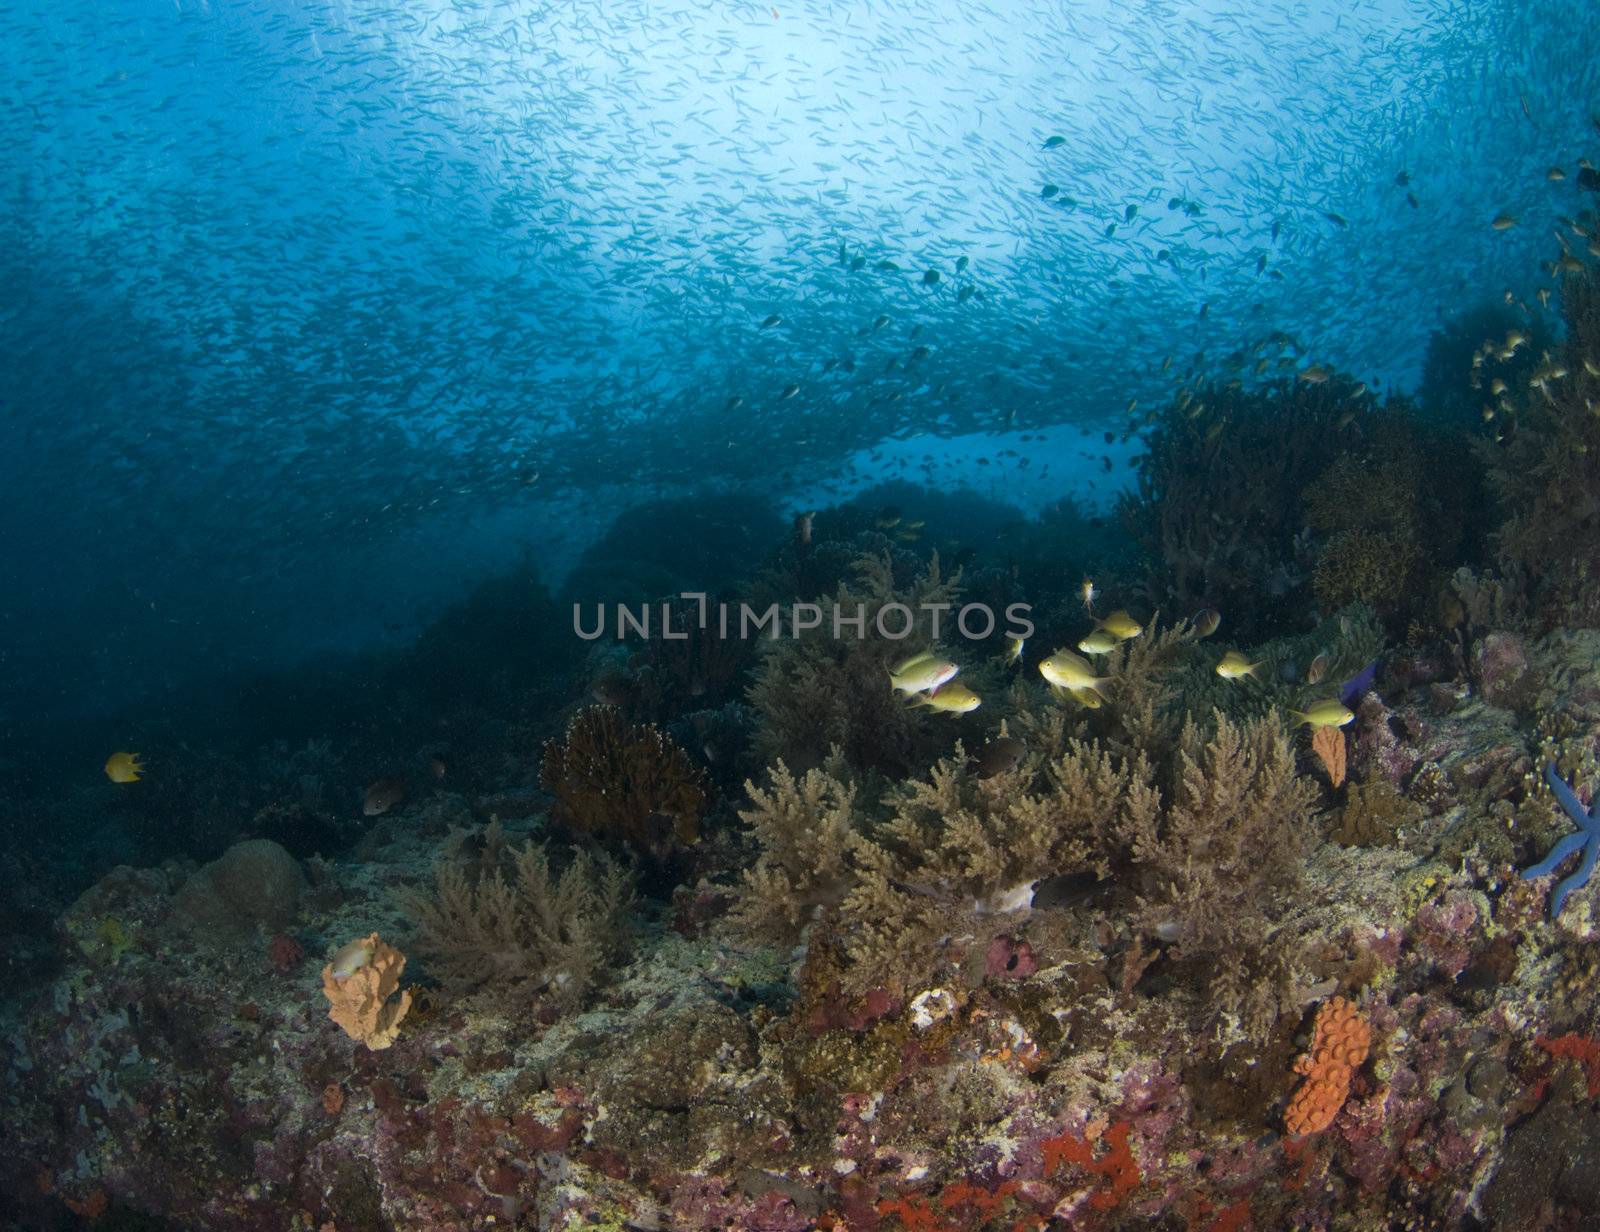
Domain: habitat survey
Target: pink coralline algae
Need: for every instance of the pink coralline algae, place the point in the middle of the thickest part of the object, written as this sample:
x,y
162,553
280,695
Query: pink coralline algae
x,y
1010,959
1444,929
1379,750
1504,675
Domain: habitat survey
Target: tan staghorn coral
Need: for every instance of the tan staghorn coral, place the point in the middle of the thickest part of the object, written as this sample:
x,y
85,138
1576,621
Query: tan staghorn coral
x,y
359,1001
1203,849
624,781
528,934
957,845
1219,867
803,825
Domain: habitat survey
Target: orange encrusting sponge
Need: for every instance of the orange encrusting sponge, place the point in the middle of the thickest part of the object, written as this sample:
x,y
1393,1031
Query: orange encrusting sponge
x,y
1339,1043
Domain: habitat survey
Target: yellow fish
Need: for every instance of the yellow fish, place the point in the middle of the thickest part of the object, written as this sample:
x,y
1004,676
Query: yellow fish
x,y
922,673
1098,641
1121,626
1014,647
1235,666
1066,670
1206,621
1504,222
953,698
124,767
1330,713
351,957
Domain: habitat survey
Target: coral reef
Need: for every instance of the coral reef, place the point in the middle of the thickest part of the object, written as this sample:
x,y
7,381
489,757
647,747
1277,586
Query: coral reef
x,y
627,782
1064,984
1047,963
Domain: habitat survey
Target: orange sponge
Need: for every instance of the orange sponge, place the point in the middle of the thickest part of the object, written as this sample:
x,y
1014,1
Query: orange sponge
x,y
359,983
1339,1043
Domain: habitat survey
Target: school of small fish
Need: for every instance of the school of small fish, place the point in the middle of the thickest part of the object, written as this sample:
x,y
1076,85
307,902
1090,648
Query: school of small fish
x,y
290,282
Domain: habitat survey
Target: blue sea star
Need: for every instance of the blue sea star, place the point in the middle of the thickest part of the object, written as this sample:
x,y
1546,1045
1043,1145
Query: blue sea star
x,y
1587,837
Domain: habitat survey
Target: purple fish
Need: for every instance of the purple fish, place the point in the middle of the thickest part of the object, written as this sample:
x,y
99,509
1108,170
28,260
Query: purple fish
x,y
1352,690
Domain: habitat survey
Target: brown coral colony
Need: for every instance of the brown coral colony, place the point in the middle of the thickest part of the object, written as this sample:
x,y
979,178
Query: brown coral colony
x,y
627,782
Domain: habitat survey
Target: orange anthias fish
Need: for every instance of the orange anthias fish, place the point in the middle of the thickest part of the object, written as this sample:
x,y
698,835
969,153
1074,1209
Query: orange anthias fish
x,y
124,767
383,796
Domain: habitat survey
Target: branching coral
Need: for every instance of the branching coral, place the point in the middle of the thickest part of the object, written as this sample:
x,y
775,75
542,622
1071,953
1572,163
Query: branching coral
x,y
532,933
955,843
804,827
1215,868
1363,566
629,782
818,690
1205,852
359,999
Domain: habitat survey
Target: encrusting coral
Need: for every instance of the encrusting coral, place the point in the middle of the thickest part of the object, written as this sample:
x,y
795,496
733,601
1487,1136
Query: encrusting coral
x,y
527,935
624,781
1339,1045
359,998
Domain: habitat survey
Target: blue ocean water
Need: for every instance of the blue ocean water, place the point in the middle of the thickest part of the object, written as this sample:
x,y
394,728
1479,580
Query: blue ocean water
x,y
313,314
